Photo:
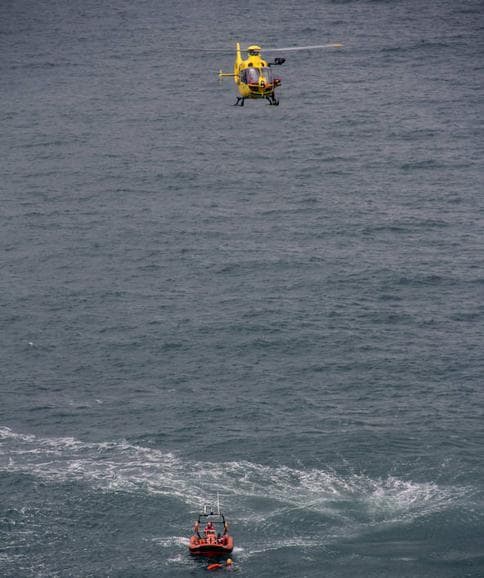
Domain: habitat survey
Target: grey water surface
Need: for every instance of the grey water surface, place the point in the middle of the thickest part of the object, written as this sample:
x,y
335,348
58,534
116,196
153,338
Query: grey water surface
x,y
280,304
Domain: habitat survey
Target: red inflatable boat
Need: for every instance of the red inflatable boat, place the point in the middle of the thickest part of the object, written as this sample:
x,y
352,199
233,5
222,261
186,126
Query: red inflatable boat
x,y
210,535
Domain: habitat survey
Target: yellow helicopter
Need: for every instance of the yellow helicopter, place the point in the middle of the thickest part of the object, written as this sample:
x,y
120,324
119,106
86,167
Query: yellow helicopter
x,y
254,76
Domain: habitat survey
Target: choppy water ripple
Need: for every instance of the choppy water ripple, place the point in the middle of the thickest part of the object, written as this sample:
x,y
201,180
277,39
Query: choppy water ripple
x,y
337,507
122,466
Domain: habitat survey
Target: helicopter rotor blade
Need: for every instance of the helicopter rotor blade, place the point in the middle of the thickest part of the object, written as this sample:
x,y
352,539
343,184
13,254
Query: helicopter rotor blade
x,y
209,50
294,48
244,49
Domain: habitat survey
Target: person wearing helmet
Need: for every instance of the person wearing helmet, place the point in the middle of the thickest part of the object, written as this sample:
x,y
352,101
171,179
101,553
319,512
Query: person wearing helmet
x,y
229,566
209,529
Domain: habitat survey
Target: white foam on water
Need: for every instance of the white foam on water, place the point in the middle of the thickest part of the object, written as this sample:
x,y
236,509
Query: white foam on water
x,y
108,465
179,556
179,560
299,542
391,499
121,466
170,541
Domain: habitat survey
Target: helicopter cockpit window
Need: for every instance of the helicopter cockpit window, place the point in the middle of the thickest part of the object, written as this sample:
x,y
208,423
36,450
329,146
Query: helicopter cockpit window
x,y
250,76
266,72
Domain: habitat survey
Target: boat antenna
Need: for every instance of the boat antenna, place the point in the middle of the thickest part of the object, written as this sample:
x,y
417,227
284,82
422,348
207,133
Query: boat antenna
x,y
218,504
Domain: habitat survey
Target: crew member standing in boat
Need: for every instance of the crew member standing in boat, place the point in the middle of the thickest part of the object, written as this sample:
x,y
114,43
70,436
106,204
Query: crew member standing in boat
x,y
209,529
196,529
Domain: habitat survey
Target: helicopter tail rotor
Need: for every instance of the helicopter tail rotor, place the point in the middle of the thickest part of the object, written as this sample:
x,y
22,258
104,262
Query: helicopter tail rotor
x,y
277,62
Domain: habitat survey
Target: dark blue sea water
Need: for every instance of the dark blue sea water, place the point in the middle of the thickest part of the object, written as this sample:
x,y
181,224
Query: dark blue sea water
x,y
280,304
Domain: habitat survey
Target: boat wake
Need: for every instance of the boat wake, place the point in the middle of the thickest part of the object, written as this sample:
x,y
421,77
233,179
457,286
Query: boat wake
x,y
257,493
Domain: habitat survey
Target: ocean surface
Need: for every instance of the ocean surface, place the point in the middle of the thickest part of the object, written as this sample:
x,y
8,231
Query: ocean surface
x,y
281,304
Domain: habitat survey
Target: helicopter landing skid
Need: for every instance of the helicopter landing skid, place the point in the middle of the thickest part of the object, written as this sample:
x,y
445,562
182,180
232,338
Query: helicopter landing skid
x,y
271,99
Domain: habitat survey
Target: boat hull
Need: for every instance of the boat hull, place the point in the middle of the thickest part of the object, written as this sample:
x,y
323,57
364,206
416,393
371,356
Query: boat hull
x,y
211,546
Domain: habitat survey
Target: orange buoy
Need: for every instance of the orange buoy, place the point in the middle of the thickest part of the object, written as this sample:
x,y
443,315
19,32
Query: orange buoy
x,y
214,566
